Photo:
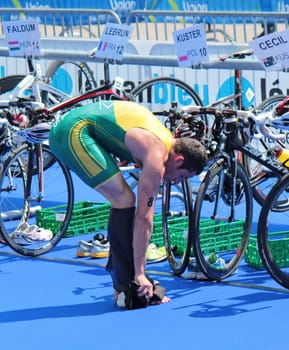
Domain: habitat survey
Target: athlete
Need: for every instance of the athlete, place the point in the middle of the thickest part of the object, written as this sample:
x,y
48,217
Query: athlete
x,y
88,140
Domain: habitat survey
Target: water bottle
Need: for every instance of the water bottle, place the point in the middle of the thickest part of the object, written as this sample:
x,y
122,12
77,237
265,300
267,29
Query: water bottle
x,y
214,260
283,155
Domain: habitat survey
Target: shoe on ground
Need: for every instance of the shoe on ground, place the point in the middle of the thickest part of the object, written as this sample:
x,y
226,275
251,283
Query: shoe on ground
x,y
155,254
83,249
99,249
193,270
31,234
96,248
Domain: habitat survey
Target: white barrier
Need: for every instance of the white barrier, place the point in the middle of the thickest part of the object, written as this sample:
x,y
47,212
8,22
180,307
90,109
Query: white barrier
x,y
149,58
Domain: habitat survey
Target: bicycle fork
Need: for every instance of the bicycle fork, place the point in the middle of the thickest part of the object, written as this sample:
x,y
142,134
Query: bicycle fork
x,y
34,169
226,189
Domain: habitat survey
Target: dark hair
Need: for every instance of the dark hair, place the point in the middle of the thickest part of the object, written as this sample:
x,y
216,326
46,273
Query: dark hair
x,y
195,155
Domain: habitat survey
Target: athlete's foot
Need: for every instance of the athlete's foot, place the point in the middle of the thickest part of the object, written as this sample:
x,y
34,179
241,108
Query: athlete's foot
x,y
164,300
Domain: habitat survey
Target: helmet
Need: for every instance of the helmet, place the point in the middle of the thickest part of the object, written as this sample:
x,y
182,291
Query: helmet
x,y
194,128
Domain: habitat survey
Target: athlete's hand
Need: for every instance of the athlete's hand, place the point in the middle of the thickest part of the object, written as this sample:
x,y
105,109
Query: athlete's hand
x,y
146,288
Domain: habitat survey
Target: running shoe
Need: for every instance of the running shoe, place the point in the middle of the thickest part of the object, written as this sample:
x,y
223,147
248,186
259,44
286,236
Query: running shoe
x,y
194,271
84,249
155,254
98,247
31,234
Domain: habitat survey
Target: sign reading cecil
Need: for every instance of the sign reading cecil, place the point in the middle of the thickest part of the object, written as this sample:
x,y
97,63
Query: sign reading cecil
x,y
113,41
22,37
272,50
191,45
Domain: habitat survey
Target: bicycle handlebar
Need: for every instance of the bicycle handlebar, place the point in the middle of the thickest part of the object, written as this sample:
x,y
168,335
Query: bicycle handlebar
x,y
258,123
22,102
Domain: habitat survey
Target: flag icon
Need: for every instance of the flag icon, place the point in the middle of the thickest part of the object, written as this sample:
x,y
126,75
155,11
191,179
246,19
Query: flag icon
x,y
269,61
102,46
183,58
14,45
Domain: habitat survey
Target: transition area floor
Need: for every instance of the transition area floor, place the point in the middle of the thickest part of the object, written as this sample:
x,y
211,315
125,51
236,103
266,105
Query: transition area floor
x,y
59,301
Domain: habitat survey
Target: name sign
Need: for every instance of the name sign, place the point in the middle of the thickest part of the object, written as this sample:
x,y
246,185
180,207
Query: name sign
x,y
113,41
272,50
191,45
22,37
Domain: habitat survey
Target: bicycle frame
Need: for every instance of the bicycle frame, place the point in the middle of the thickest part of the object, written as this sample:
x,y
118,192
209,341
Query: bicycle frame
x,y
234,142
247,149
106,90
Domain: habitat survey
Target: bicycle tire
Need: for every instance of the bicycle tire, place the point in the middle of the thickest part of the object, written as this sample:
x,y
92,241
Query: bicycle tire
x,y
269,103
157,94
72,78
264,183
9,82
41,209
272,234
177,210
216,230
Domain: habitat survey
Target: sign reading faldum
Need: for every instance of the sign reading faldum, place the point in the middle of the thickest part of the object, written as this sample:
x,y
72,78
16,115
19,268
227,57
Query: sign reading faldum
x,y
191,45
113,41
22,37
272,50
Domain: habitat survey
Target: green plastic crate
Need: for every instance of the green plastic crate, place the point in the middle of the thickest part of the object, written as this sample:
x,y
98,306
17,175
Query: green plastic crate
x,y
86,217
216,237
279,248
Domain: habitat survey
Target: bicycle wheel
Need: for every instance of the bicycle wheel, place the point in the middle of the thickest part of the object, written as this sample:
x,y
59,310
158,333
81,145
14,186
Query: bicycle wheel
x,y
176,217
8,83
270,102
263,179
157,94
273,233
36,198
72,78
222,220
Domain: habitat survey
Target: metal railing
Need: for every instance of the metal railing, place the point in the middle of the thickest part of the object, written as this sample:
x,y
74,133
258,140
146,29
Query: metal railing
x,y
70,34
79,23
239,27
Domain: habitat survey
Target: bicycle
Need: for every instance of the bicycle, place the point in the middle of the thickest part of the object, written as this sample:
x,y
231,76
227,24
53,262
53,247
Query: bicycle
x,y
272,234
27,164
220,219
51,88
28,185
261,178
